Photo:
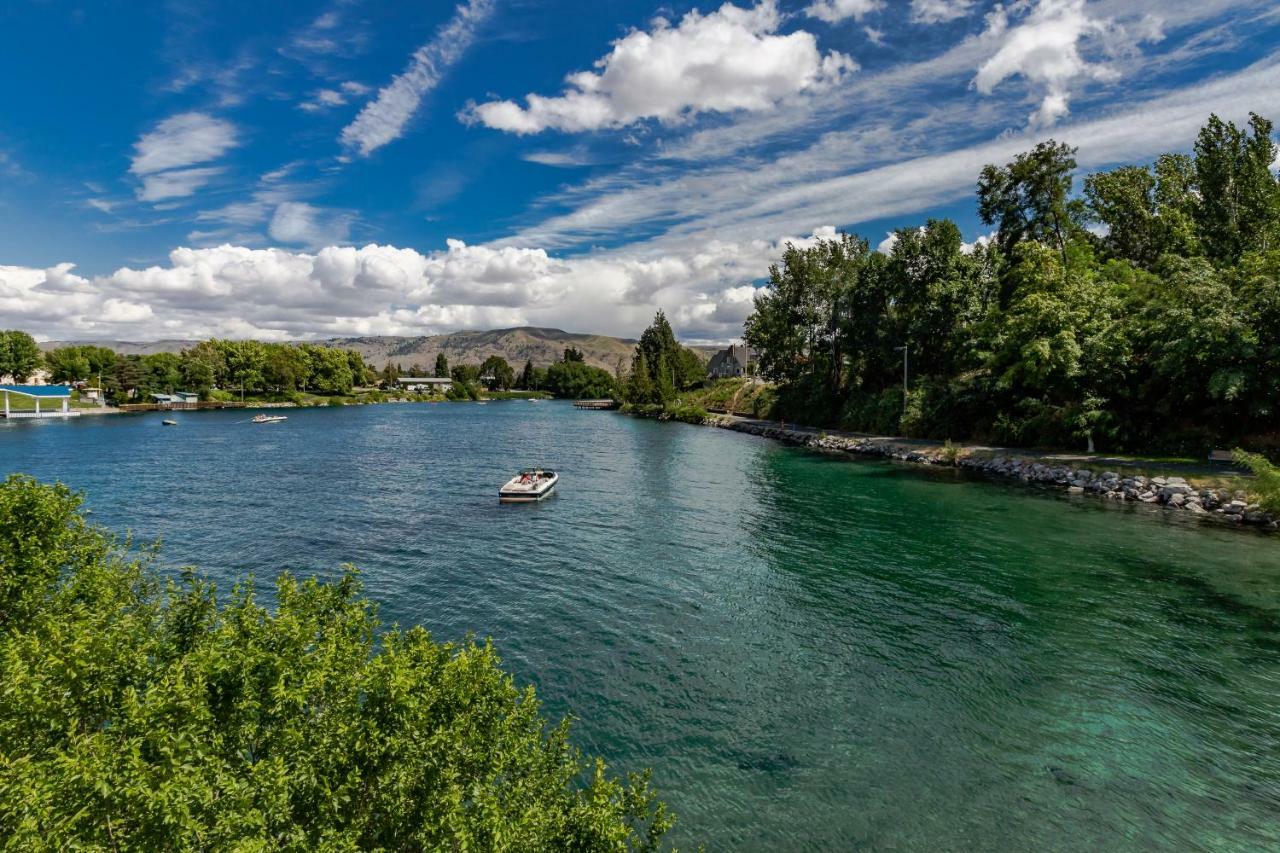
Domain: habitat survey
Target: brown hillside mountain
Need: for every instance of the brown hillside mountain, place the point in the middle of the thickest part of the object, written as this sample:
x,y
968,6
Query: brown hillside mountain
x,y
543,346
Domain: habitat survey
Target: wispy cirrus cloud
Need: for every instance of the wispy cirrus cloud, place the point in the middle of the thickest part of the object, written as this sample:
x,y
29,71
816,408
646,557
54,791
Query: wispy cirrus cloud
x,y
163,156
384,119
871,174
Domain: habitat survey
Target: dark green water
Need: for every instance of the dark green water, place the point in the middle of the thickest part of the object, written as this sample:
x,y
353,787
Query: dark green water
x,y
810,653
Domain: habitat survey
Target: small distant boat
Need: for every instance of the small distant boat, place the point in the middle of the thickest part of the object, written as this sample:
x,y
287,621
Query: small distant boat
x,y
268,419
532,484
168,422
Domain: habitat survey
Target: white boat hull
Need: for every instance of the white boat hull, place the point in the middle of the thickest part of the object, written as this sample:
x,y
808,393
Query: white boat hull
x,y
516,492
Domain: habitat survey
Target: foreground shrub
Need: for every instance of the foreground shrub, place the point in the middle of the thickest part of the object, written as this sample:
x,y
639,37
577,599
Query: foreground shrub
x,y
137,713
1266,482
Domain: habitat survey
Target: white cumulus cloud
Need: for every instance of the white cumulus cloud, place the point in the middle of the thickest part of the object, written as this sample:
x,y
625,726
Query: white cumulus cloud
x,y
833,11
729,60
938,11
384,119
236,291
1044,49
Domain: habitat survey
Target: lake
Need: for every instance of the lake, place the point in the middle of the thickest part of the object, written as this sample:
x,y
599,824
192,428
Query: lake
x,y
811,653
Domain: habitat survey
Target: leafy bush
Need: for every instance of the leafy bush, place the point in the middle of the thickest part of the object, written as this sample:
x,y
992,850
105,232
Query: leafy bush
x,y
685,412
142,714
1266,482
951,453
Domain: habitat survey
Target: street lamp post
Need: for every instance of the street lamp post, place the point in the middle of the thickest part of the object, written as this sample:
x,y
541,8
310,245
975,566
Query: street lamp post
x,y
904,349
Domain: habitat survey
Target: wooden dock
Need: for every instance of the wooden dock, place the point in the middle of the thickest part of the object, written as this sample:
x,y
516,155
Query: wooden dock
x,y
595,404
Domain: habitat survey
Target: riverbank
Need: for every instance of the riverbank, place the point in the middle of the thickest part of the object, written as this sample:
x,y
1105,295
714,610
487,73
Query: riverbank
x,y
1217,496
314,402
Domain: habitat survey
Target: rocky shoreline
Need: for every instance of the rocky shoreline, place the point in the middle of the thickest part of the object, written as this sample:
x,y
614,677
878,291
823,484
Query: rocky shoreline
x,y
1174,493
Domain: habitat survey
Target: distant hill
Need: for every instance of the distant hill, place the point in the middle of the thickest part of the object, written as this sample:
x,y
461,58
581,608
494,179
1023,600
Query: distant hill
x,y
543,346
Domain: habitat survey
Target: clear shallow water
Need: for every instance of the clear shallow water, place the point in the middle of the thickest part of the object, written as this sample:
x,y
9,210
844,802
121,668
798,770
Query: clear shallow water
x,y
810,653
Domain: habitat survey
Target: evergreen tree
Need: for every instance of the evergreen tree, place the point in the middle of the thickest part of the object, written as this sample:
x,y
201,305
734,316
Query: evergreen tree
x,y
442,365
640,389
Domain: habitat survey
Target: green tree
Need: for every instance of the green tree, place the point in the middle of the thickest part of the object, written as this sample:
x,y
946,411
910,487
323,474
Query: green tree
x,y
330,369
1125,201
577,381
932,295
67,364
466,374
499,373
150,714
640,389
19,355
245,361
1062,352
573,354
361,372
124,380
1239,208
528,378
204,366
1030,198
442,365
286,367
691,371
161,372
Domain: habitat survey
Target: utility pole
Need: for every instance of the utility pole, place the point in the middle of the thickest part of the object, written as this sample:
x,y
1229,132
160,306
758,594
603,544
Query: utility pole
x,y
904,349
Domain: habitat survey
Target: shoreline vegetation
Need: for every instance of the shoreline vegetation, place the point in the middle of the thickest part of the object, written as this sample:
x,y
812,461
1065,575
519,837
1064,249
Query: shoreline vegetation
x,y
1140,315
144,711
1245,492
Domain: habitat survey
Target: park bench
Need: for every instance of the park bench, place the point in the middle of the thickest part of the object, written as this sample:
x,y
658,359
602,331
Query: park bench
x,y
1221,456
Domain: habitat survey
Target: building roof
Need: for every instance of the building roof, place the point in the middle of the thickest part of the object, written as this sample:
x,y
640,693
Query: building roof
x,y
424,379
38,390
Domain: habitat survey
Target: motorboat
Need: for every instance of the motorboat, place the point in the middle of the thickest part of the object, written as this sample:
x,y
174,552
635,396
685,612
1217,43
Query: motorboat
x,y
532,484
268,419
168,422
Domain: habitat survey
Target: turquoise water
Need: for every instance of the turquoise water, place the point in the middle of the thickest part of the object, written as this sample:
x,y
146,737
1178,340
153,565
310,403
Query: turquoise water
x,y
810,653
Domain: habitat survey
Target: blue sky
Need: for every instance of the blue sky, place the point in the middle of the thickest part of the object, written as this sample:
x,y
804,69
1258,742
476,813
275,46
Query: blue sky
x,y
307,169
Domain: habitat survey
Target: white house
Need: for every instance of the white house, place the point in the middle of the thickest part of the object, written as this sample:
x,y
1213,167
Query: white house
x,y
425,383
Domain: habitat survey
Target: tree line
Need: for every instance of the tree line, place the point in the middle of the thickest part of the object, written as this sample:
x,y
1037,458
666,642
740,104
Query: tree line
x,y
242,367
570,377
1140,314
